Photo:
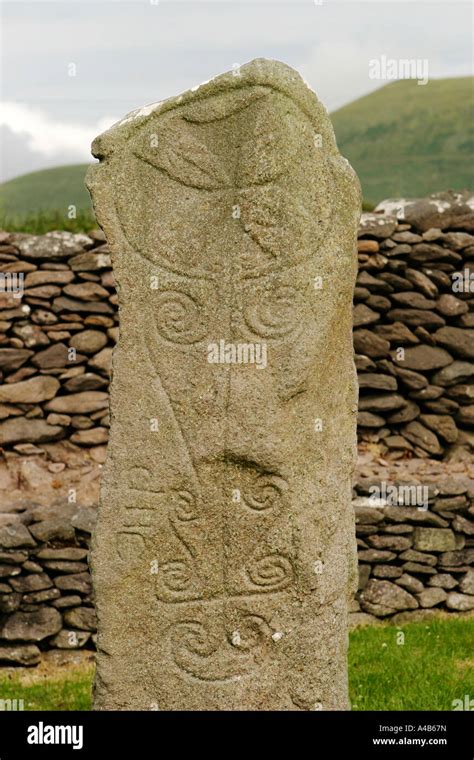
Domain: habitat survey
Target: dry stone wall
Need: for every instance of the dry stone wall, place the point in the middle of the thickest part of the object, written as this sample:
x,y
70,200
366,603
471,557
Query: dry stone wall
x,y
414,345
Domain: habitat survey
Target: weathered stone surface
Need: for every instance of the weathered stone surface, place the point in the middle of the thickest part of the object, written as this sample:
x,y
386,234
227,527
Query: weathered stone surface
x,y
376,555
387,571
86,291
411,555
377,381
9,602
381,402
410,583
33,582
442,580
64,566
413,616
466,584
458,340
386,595
13,358
442,425
36,597
30,391
85,519
13,536
422,282
415,317
423,358
430,597
236,615
80,582
71,600
92,437
369,344
369,420
79,403
363,315
70,639
31,626
88,341
53,245
21,654
67,553
450,306
89,381
434,539
378,225
459,602
417,567
422,437
55,529
412,380
394,543
457,558
90,261
20,429
83,618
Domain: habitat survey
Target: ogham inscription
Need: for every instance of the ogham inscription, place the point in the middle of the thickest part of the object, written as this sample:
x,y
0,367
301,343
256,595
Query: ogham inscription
x,y
224,556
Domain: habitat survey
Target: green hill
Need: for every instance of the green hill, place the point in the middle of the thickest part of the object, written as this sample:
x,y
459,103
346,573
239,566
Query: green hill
x,y
402,139
409,139
45,191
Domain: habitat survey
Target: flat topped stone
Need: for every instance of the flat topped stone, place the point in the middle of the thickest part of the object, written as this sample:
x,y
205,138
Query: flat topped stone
x,y
224,554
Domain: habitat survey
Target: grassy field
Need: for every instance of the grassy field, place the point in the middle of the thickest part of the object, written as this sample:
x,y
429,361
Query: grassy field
x,y
428,671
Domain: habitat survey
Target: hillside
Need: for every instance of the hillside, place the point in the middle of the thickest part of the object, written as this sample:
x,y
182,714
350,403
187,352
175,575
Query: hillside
x,y
46,190
407,139
402,139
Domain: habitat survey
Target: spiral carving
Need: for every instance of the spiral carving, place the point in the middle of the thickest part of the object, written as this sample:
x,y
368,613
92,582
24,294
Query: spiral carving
x,y
264,494
275,314
195,637
273,571
178,317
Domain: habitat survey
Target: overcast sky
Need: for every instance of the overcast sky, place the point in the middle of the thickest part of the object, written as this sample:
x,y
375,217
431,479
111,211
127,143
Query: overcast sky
x,y
127,53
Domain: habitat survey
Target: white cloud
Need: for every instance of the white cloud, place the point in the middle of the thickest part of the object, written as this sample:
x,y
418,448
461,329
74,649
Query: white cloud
x,y
49,137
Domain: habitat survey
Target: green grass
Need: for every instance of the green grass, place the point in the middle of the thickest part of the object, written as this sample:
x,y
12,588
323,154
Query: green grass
x,y
71,691
410,140
433,667
45,221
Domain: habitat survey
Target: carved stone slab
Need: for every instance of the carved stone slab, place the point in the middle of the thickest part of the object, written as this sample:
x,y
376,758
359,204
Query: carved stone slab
x,y
224,555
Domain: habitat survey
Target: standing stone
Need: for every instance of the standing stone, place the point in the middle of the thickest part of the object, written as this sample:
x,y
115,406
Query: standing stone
x,y
224,555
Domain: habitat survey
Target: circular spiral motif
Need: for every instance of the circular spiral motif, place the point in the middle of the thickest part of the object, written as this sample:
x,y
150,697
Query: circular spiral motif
x,y
275,313
195,637
264,494
178,317
271,571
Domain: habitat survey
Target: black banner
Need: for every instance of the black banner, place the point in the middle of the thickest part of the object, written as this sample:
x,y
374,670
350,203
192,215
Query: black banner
x,y
158,734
